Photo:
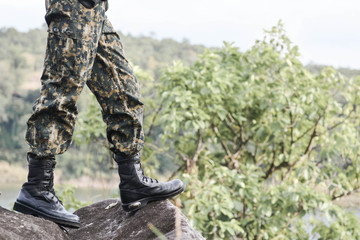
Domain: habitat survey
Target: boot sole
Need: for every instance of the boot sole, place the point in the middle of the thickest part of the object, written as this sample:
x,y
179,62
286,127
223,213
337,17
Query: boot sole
x,y
136,205
26,209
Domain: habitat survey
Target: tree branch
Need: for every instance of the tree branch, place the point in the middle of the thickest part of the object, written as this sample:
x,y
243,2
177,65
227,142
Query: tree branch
x,y
302,135
223,144
182,167
153,120
233,162
345,194
307,150
292,123
338,123
230,127
182,156
242,141
272,167
199,148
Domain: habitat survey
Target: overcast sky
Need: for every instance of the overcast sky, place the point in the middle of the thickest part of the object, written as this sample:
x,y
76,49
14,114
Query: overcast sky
x,y
326,31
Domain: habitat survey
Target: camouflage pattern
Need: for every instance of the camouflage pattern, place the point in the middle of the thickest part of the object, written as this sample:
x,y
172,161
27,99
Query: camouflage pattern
x,y
83,48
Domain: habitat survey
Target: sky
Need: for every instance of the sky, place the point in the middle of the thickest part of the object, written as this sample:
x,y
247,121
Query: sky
x,y
326,31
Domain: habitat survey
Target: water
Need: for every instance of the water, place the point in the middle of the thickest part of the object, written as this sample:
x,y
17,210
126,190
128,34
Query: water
x,y
9,193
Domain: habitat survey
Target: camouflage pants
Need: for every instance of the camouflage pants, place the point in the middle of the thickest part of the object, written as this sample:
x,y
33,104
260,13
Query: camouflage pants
x,y
83,48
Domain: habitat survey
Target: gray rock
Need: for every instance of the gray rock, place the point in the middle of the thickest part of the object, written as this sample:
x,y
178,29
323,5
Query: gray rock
x,y
14,226
103,220
107,220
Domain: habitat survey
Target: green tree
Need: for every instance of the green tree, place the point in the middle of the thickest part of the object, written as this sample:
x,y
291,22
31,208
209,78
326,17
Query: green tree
x,y
263,142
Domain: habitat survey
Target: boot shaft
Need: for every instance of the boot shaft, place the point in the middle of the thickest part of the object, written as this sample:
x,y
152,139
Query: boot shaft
x,y
126,164
136,189
37,196
41,173
129,170
131,173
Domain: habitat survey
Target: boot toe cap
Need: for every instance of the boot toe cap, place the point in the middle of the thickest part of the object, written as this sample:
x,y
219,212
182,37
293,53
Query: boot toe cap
x,y
177,184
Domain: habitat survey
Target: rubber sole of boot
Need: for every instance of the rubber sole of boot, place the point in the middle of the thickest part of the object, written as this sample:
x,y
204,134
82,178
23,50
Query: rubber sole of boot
x,y
26,209
136,205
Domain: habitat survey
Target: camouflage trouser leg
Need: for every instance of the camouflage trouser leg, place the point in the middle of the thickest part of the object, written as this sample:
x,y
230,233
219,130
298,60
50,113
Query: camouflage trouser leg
x,y
83,48
117,90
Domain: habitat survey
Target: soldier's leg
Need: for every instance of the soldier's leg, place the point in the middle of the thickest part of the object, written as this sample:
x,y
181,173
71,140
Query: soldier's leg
x,y
72,41
117,90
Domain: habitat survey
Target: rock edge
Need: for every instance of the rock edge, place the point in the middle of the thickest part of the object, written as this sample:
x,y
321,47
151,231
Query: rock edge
x,y
103,220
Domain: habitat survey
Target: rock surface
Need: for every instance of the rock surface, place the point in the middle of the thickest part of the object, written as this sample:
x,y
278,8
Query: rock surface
x,y
18,226
103,220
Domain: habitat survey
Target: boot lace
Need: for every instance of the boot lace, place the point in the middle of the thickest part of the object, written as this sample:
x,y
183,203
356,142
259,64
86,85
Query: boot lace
x,y
49,186
146,178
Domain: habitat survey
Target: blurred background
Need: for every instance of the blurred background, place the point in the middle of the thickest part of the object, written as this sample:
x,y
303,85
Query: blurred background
x,y
304,51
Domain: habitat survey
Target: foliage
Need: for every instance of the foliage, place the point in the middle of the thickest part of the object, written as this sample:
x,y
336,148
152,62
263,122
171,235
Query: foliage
x,y
152,55
66,195
263,141
16,63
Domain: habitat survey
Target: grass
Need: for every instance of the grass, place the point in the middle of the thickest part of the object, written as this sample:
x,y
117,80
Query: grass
x,y
12,173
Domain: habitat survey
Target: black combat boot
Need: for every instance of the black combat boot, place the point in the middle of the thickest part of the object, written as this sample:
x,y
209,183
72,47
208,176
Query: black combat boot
x,y
37,196
136,190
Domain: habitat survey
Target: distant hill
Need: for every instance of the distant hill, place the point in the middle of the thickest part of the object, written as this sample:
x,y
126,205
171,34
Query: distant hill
x,y
25,50
316,69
